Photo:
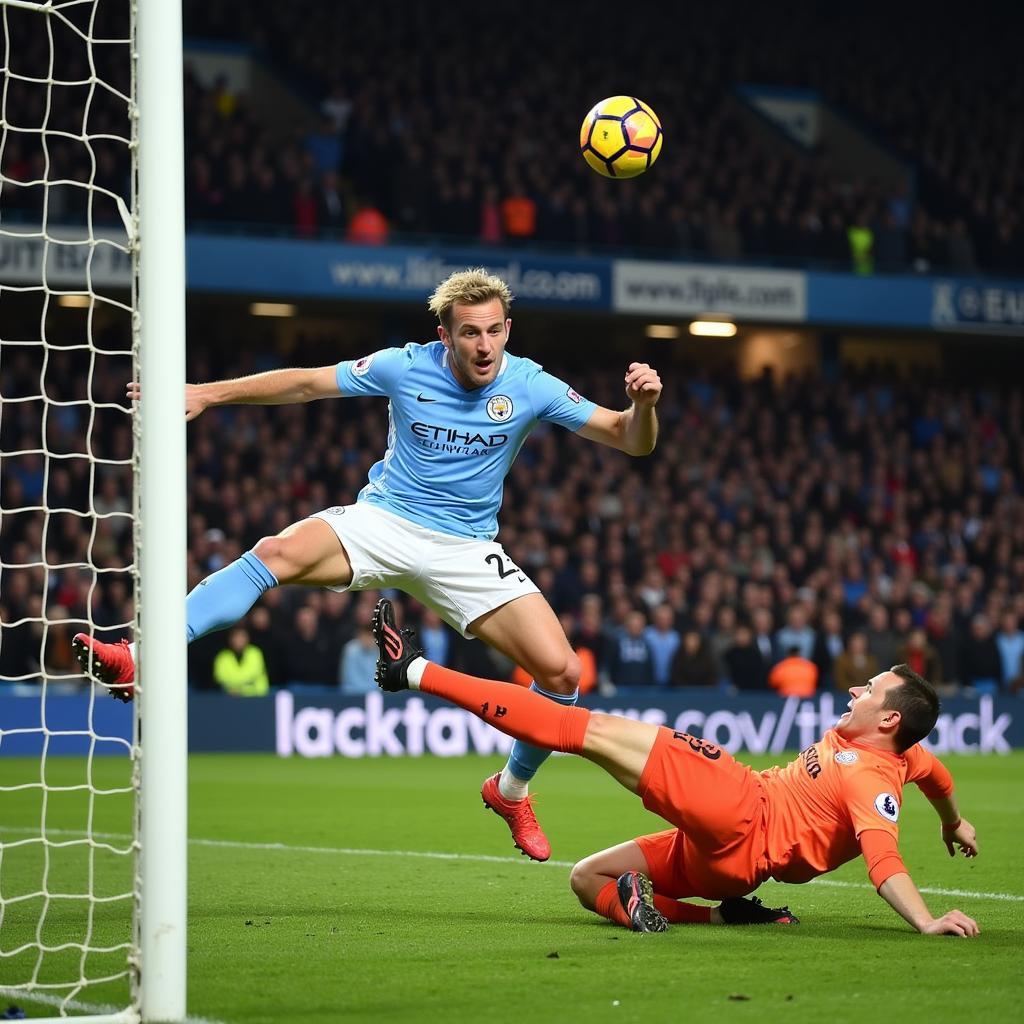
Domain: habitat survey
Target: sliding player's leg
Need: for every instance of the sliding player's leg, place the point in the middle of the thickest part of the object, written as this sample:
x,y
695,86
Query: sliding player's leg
x,y
308,552
618,882
687,781
528,632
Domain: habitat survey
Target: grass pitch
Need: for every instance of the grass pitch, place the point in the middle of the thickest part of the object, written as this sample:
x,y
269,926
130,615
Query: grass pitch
x,y
381,890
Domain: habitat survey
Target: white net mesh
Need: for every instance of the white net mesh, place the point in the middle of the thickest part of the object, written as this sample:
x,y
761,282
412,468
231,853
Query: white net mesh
x,y
68,755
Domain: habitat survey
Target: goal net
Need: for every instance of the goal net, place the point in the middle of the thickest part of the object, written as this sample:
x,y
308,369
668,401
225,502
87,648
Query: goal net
x,y
72,870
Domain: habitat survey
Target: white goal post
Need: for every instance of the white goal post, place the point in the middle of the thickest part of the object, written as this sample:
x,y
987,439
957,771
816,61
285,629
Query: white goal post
x,y
93,846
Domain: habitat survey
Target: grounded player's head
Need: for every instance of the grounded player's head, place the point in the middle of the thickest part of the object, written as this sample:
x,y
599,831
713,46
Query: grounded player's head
x,y
894,710
469,288
918,704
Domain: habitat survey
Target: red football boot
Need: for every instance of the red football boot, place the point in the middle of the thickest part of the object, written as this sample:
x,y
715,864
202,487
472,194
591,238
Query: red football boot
x,y
518,814
109,664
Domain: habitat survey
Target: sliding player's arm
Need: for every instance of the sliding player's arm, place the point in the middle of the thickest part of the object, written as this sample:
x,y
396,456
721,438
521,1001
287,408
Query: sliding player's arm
x,y
901,894
936,783
896,887
635,430
872,802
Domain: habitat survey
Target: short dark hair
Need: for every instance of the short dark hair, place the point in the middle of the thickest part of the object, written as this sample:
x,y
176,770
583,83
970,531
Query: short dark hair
x,y
918,705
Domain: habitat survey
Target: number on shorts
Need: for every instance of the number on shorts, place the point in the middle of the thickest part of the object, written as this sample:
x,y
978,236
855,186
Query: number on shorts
x,y
699,746
503,572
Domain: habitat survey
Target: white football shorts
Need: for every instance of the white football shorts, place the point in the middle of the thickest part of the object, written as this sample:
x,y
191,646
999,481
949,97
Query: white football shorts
x,y
460,578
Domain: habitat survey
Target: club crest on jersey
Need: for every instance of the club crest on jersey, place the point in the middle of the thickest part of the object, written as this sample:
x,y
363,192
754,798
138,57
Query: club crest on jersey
x,y
846,756
885,804
499,408
362,365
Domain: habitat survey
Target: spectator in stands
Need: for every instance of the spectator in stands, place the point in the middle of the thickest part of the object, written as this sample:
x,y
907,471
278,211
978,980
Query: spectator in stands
x,y
435,637
313,657
722,637
946,640
856,664
368,225
240,669
828,645
324,146
1010,642
358,663
982,665
921,656
631,661
694,664
862,244
332,205
745,668
764,637
882,641
795,633
794,676
663,639
519,213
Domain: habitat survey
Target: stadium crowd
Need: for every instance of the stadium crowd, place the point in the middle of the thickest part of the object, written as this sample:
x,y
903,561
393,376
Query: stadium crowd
x,y
789,535
485,150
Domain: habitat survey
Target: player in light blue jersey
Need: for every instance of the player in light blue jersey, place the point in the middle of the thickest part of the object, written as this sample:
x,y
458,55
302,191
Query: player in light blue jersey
x,y
460,409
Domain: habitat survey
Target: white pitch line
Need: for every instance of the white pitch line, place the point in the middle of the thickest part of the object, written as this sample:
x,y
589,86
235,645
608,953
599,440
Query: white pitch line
x,y
483,858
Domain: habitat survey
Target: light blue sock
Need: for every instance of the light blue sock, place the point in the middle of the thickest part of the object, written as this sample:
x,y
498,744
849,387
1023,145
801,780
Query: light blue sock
x,y
226,595
525,758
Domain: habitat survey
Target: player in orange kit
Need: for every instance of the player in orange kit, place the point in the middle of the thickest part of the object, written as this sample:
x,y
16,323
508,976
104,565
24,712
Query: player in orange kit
x,y
734,827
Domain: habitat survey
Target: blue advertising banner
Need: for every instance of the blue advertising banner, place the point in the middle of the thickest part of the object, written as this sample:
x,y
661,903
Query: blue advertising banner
x,y
411,724
287,267
65,724
986,305
900,300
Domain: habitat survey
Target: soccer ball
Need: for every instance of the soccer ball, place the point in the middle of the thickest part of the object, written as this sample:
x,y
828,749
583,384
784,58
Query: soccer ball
x,y
620,137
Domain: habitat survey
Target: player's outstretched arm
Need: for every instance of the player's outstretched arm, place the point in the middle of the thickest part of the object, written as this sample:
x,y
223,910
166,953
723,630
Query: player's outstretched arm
x,y
902,895
635,430
275,387
956,831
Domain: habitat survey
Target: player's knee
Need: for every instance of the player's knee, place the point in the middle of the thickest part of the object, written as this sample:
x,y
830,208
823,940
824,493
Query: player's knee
x,y
581,881
279,556
563,676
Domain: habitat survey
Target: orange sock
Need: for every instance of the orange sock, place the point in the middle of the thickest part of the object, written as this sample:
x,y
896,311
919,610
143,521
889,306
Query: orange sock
x,y
682,913
608,905
511,709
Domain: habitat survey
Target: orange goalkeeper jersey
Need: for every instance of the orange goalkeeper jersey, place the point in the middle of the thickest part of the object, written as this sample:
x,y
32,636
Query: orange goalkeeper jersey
x,y
820,803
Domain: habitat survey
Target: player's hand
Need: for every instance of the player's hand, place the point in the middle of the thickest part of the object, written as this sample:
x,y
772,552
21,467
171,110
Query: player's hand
x,y
643,385
194,403
954,923
963,836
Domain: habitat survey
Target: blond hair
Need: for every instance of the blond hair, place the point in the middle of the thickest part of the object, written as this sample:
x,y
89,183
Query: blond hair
x,y
470,287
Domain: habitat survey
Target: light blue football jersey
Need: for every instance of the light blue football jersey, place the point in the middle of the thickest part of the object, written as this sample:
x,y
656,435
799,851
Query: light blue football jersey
x,y
449,449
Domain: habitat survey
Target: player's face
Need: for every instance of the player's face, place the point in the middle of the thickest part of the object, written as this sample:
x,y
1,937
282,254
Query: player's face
x,y
476,342
866,712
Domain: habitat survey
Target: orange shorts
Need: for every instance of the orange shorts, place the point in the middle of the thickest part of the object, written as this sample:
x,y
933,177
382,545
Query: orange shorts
x,y
718,806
